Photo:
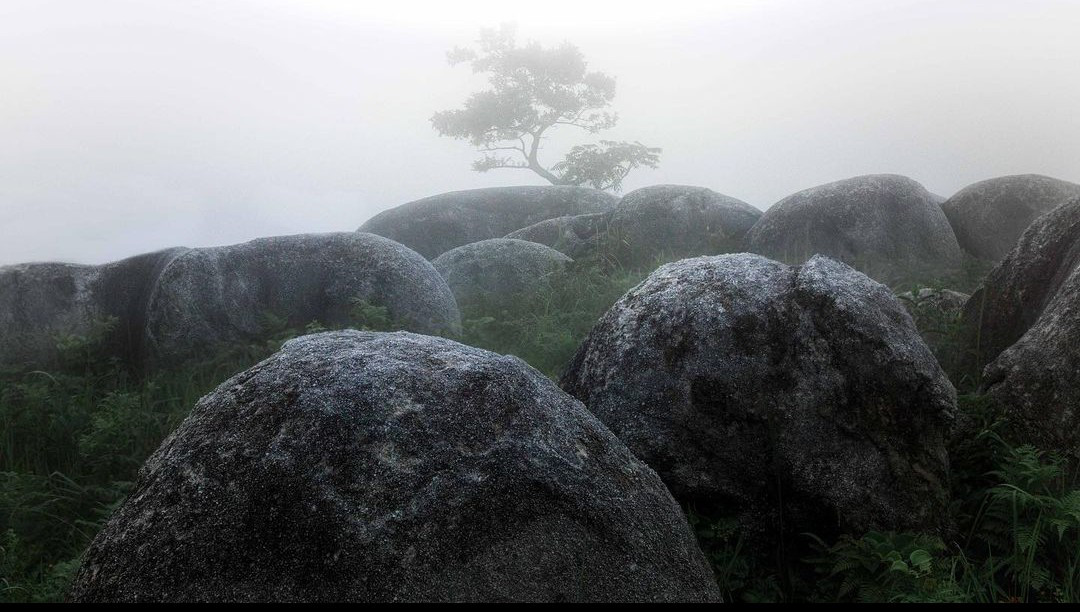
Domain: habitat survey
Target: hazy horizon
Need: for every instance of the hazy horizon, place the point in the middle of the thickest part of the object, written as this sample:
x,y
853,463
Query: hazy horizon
x,y
131,126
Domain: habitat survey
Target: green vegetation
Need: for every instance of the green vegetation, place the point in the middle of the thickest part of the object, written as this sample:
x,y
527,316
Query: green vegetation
x,y
72,441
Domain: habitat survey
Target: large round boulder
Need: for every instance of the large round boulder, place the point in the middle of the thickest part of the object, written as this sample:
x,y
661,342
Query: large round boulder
x,y
989,217
797,399
434,225
1027,323
885,225
209,298
574,236
43,305
498,271
369,467
675,221
651,224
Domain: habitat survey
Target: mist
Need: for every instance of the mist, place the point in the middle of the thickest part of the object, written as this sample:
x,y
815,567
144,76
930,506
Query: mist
x,y
129,126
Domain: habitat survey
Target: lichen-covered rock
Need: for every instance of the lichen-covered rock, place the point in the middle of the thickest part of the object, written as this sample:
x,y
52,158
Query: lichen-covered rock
x,y
499,270
574,236
212,297
434,225
42,303
885,225
795,398
361,467
652,223
989,217
1029,311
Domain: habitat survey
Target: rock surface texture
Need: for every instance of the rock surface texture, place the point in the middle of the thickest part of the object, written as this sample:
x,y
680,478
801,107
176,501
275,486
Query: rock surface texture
x,y
796,398
1026,322
885,225
212,297
434,225
498,270
361,466
989,217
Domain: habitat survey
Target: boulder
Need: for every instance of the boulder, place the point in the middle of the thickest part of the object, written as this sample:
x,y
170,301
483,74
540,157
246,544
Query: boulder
x,y
885,225
213,297
1018,290
370,467
1029,312
574,236
675,221
434,225
989,217
499,270
649,224
43,303
797,399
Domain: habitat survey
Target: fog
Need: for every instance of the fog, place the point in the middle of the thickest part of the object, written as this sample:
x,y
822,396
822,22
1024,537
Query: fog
x,y
128,126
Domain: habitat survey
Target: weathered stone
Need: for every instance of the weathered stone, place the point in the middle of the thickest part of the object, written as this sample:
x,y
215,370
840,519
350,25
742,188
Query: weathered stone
x,y
886,225
1027,326
989,217
214,297
796,398
574,236
359,466
499,270
651,224
41,303
434,225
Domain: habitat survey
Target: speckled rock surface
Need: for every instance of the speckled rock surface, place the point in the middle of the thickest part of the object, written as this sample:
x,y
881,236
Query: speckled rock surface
x,y
796,398
661,221
1030,314
498,270
434,225
218,296
883,224
40,302
358,466
989,217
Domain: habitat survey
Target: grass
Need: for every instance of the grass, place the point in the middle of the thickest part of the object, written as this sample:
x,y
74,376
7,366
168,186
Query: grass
x,y
72,440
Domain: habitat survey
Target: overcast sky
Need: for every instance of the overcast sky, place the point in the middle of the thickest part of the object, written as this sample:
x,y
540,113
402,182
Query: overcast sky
x,y
128,126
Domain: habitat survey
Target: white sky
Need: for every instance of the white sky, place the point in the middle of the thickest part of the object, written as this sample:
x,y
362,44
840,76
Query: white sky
x,y
132,125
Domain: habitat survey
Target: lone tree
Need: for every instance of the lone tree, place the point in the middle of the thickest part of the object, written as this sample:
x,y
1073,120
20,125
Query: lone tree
x,y
534,90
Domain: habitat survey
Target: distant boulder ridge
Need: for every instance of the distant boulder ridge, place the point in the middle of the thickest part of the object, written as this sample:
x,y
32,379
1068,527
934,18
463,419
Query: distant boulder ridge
x,y
652,223
161,309
885,225
989,216
797,398
436,224
499,270
373,467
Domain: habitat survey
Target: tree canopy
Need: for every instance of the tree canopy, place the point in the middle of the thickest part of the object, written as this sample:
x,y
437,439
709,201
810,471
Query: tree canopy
x,y
533,90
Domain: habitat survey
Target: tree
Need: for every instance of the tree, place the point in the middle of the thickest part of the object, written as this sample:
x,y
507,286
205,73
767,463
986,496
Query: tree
x,y
534,90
